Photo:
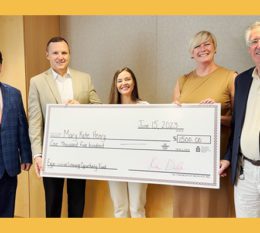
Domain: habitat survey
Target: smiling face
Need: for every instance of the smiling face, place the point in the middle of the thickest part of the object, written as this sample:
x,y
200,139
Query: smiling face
x,y
254,46
204,52
203,47
125,83
59,56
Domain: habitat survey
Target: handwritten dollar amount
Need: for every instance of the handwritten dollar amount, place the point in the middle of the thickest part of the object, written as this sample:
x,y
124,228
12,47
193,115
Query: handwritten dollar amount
x,y
196,139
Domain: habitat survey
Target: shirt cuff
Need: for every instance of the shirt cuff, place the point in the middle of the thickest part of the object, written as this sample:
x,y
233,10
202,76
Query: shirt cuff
x,y
37,155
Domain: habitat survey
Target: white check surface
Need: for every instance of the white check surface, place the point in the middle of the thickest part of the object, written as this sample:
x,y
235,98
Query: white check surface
x,y
164,144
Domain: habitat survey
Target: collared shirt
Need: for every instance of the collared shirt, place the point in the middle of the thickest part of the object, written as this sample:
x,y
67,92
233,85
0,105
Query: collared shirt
x,y
64,85
250,133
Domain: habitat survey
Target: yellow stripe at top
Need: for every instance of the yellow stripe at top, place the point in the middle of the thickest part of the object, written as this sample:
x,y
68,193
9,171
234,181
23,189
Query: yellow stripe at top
x,y
132,7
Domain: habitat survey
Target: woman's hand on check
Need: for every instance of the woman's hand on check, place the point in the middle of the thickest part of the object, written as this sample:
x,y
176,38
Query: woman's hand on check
x,y
208,101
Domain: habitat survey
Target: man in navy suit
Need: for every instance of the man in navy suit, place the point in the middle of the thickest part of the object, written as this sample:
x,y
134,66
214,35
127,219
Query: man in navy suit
x,y
243,150
15,148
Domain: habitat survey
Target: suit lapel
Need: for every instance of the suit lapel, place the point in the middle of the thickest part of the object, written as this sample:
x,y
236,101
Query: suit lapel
x,y
52,85
243,93
75,85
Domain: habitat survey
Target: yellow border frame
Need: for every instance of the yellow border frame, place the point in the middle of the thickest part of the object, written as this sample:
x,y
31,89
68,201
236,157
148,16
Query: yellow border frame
x,y
133,7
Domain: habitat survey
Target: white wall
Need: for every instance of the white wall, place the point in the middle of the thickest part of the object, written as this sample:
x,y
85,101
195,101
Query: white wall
x,y
155,47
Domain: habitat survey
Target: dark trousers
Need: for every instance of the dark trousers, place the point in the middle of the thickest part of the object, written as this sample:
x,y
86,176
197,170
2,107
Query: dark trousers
x,y
53,196
8,186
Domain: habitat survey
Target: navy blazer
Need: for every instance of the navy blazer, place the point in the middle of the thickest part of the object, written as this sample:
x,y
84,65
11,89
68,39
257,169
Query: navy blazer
x,y
15,143
242,87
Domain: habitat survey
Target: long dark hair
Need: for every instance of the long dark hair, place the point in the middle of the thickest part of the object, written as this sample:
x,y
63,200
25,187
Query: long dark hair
x,y
1,58
115,96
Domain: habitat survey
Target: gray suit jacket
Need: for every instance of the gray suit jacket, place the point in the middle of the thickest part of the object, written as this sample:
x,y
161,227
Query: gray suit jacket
x,y
43,91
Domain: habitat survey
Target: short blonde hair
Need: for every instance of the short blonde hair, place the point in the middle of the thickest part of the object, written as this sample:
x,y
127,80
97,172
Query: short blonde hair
x,y
200,38
249,30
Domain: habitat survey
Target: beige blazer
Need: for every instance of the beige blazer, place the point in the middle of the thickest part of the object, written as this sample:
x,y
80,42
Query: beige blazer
x,y
43,91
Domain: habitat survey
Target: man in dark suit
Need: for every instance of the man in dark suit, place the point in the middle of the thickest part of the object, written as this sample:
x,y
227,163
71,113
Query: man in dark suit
x,y
243,150
15,148
58,85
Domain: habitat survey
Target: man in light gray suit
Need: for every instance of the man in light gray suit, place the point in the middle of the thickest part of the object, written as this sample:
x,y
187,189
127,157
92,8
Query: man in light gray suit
x,y
58,85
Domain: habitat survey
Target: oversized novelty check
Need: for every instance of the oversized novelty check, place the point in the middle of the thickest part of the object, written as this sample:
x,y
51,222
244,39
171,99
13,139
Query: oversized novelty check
x,y
164,144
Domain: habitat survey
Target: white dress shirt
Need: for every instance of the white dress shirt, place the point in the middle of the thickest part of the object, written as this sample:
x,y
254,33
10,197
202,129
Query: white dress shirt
x,y
64,85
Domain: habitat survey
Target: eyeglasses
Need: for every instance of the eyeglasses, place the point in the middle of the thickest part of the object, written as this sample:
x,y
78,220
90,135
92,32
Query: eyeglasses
x,y
254,42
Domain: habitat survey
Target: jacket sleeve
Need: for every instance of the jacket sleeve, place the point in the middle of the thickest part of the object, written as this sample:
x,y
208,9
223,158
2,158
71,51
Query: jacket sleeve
x,y
93,97
228,155
35,119
24,141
